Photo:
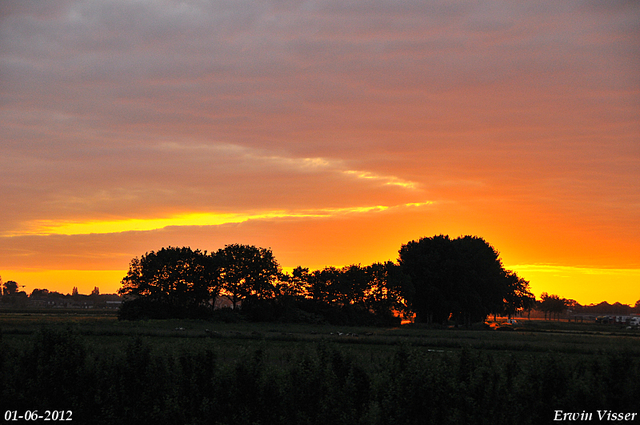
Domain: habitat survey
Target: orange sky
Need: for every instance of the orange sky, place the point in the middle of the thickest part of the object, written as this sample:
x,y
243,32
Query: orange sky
x,y
331,131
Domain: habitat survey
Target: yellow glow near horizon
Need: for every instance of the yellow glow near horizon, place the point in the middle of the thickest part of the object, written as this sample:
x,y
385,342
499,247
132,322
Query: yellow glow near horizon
x,y
64,281
583,284
579,283
52,227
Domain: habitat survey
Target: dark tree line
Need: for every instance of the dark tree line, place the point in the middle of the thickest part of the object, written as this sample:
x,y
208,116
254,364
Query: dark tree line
x,y
181,282
438,279
553,305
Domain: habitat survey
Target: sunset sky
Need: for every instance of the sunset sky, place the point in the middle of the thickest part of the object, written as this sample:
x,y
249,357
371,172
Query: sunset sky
x,y
330,131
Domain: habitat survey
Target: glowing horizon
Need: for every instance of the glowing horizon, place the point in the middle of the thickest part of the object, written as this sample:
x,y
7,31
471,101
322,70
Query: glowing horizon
x,y
571,277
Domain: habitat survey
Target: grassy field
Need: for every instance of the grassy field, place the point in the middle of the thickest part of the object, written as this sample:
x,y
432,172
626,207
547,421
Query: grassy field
x,y
190,371
103,329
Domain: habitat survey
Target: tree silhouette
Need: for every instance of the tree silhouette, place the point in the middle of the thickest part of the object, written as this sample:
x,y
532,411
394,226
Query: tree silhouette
x,y
384,293
552,305
324,286
174,279
248,271
437,278
460,279
351,285
296,285
518,295
482,283
9,287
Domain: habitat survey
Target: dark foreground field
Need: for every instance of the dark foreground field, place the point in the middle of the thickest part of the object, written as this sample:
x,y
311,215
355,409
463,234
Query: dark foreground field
x,y
196,372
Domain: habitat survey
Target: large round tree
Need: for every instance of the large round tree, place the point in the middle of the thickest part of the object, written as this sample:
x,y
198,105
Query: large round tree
x,y
170,282
460,279
247,271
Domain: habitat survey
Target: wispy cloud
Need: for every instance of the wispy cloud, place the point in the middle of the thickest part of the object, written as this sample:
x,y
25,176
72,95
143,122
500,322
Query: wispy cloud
x,y
338,166
62,227
386,180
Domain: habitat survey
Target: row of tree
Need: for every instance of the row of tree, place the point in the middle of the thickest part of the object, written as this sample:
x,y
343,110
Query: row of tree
x,y
437,279
13,298
10,289
553,306
185,282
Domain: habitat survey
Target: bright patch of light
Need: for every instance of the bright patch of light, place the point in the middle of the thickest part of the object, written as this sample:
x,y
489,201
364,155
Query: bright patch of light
x,y
583,284
51,227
